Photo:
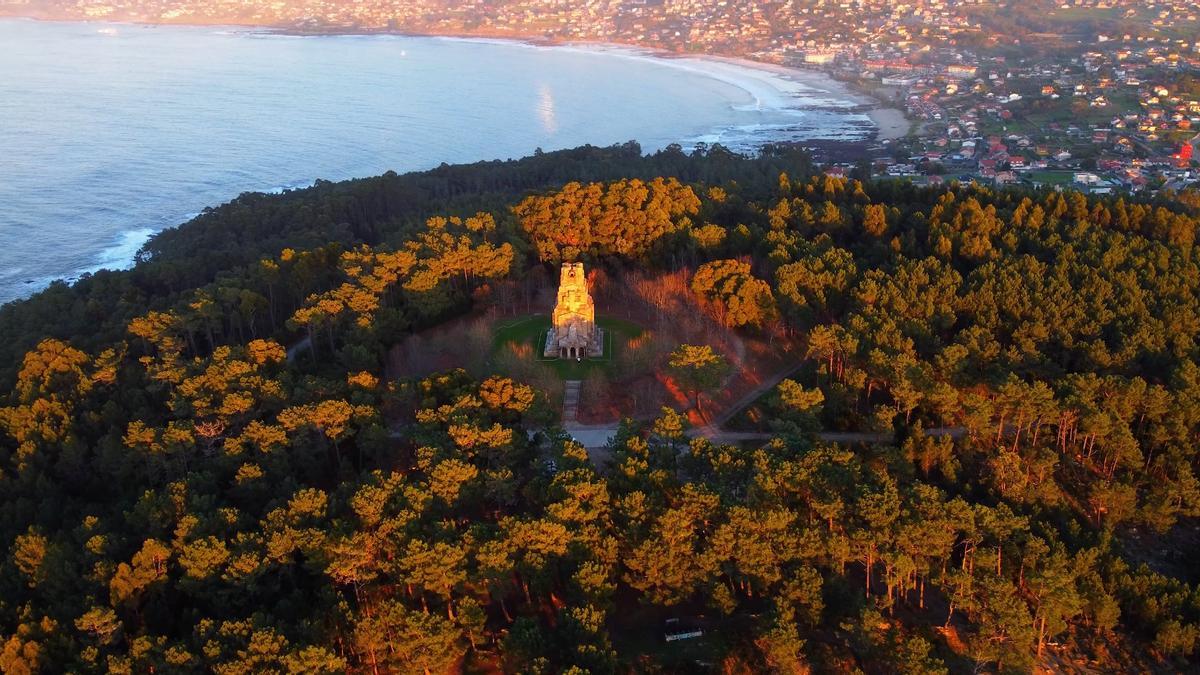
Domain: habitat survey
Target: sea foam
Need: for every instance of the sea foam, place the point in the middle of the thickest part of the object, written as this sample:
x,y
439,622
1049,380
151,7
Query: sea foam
x,y
121,254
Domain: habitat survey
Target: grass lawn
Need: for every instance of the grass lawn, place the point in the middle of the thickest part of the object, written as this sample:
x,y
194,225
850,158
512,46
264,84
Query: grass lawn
x,y
1071,15
1051,177
1035,115
531,330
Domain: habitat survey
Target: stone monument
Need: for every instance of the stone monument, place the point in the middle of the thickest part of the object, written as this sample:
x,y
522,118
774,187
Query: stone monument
x,y
573,333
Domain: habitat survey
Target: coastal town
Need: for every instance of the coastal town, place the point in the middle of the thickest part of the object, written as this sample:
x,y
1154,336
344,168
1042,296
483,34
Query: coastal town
x,y
1099,95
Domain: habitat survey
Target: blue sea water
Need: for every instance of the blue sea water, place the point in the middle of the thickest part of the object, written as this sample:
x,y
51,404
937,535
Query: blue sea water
x,y
110,132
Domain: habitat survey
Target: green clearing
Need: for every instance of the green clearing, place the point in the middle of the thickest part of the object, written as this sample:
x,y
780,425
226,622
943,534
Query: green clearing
x,y
1051,177
531,330
1035,114
1069,17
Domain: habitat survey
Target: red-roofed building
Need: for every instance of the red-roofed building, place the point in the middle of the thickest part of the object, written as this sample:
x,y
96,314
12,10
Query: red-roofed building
x,y
1184,158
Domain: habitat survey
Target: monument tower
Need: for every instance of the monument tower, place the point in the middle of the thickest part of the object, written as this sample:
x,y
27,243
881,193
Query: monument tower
x,y
573,333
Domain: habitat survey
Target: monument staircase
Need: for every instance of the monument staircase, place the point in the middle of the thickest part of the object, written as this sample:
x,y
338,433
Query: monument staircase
x,y
571,401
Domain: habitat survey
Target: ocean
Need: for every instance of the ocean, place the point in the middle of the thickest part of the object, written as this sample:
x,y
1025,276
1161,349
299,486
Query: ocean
x,y
111,132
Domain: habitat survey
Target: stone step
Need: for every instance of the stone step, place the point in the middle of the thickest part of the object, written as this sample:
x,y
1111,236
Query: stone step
x,y
571,400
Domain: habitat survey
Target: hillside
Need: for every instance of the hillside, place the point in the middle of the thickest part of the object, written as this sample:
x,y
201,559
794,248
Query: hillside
x,y
232,458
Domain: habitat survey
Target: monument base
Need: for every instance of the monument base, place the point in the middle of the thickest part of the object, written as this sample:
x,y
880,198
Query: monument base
x,y
594,348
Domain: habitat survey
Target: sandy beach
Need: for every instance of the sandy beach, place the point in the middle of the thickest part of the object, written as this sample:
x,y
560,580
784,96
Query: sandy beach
x,y
805,88
891,122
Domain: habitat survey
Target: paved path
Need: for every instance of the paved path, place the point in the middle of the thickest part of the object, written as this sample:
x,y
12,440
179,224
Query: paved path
x,y
570,401
752,396
595,437
294,350
722,436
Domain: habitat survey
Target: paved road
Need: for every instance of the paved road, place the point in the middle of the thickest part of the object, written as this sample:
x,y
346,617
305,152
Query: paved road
x,y
596,437
592,436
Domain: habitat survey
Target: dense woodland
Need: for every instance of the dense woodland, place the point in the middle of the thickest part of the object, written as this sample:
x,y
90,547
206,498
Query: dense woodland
x,y
204,468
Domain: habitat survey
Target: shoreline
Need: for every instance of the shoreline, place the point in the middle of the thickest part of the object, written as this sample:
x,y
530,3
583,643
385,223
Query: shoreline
x,y
823,91
766,87
890,122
